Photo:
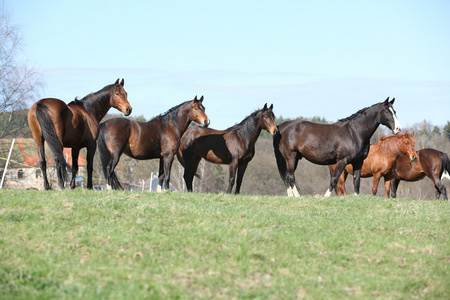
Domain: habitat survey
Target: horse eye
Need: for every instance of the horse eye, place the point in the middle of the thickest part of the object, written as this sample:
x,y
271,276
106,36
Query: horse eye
x,y
117,94
407,144
196,108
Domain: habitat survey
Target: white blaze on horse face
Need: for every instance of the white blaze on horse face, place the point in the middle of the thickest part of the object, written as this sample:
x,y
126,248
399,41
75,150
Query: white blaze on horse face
x,y
397,126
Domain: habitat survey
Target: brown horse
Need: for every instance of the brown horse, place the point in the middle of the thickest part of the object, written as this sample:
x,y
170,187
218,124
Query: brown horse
x,y
157,138
234,146
75,126
344,142
380,162
430,162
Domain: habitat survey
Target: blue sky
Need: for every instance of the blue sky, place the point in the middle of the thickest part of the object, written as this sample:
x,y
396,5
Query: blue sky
x,y
308,58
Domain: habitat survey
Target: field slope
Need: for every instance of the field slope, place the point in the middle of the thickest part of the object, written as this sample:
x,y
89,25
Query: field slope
x,y
116,245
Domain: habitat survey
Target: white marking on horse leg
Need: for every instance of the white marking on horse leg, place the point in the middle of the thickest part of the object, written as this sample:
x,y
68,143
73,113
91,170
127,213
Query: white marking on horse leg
x,y
159,188
289,192
328,193
356,194
108,187
397,126
295,191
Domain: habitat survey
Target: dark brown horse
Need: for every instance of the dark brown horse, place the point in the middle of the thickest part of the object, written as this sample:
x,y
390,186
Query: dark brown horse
x,y
157,138
344,142
75,126
381,161
430,162
234,146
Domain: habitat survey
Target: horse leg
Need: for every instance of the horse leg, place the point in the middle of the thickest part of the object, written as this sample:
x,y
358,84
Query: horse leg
x,y
291,166
232,171
394,186
168,160
240,176
376,181
387,187
110,176
335,177
160,175
357,176
440,189
90,163
190,168
75,153
340,186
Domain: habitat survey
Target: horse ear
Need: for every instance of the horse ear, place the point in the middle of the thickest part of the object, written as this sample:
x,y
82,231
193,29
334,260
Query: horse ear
x,y
122,82
392,101
195,99
271,106
117,82
265,106
201,99
386,101
412,133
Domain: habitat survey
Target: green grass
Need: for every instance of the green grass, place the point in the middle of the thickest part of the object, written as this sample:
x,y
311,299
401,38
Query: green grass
x,y
116,245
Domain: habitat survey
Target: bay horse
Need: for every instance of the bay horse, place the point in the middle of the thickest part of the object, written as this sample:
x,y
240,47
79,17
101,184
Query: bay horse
x,y
234,146
345,142
157,138
381,160
75,126
430,162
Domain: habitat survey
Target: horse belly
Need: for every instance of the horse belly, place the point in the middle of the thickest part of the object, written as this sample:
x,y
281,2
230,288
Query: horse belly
x,y
217,157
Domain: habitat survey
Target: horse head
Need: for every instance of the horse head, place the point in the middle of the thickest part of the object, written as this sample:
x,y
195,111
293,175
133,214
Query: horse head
x,y
407,146
388,116
118,98
197,112
267,120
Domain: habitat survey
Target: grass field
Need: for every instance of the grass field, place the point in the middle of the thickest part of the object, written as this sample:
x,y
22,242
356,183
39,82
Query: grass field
x,y
116,245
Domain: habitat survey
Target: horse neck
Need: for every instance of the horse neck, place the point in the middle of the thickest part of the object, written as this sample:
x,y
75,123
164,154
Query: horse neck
x,y
98,104
391,147
368,121
183,119
251,129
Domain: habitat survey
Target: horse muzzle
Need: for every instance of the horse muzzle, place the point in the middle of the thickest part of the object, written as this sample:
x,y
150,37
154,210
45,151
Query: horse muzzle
x,y
127,111
206,123
413,158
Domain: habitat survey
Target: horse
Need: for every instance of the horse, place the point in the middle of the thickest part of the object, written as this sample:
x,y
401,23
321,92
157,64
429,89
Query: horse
x,y
234,146
430,162
157,138
345,142
75,126
380,162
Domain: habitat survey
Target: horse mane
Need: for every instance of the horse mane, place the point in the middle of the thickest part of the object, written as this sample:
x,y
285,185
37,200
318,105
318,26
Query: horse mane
x,y
356,114
243,122
382,143
171,114
91,101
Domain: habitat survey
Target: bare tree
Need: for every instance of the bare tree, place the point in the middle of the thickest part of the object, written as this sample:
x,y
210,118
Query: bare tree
x,y
19,83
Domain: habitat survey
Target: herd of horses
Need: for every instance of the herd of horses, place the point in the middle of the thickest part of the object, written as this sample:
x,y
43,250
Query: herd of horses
x,y
344,145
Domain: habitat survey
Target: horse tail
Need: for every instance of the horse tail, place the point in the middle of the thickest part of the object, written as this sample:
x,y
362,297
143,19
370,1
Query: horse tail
x,y
105,158
54,143
445,166
281,162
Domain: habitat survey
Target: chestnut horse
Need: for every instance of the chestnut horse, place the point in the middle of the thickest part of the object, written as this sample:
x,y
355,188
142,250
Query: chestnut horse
x,y
430,162
74,125
157,138
380,162
234,146
344,142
